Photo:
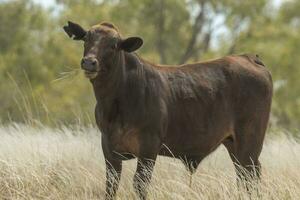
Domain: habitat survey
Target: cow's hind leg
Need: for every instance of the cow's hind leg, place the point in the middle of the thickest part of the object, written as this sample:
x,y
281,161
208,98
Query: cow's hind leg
x,y
245,147
246,163
247,167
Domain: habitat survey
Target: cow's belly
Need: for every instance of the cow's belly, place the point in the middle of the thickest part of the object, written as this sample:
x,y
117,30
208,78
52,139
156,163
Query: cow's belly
x,y
197,134
199,145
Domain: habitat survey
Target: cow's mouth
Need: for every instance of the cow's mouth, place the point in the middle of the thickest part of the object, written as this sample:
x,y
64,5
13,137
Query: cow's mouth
x,y
90,74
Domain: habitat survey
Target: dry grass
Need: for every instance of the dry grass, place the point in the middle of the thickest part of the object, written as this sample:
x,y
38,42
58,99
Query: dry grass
x,y
44,163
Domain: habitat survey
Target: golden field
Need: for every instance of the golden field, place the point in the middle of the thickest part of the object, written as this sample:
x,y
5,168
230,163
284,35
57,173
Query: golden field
x,y
67,163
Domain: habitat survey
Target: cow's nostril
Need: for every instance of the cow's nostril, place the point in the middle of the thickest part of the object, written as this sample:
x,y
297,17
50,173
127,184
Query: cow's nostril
x,y
89,64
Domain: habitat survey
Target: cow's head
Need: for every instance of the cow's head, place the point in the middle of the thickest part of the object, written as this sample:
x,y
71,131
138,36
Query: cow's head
x,y
102,46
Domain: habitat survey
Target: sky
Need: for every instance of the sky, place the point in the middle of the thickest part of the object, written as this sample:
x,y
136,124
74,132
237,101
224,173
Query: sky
x,y
45,3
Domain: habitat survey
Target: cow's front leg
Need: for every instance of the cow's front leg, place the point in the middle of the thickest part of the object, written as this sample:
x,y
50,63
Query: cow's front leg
x,y
150,145
143,175
113,175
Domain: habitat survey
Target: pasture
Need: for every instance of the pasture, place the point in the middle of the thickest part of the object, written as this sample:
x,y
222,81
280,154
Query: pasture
x,y
67,163
50,147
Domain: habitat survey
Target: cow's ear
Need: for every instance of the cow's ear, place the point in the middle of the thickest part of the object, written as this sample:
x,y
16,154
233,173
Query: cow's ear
x,y
131,44
75,31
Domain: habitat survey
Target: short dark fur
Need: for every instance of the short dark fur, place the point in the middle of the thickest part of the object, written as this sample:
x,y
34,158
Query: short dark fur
x,y
144,110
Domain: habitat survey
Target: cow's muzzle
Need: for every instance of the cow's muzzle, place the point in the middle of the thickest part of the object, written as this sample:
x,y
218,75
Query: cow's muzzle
x,y
90,65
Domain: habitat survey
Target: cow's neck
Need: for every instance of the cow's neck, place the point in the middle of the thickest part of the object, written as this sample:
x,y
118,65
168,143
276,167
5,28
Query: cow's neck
x,y
112,84
117,92
107,86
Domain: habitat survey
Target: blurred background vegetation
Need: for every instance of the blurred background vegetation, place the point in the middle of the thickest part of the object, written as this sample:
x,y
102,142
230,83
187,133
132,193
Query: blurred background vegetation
x,y
40,77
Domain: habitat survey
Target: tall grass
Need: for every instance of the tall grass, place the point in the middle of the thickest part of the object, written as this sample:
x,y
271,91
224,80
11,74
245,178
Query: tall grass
x,y
47,103
67,163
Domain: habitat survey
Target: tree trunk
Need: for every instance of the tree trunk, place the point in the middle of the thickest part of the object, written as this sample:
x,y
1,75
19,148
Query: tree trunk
x,y
197,29
160,32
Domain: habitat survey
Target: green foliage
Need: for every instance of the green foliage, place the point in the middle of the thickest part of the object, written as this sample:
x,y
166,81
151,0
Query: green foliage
x,y
32,57
276,39
39,65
